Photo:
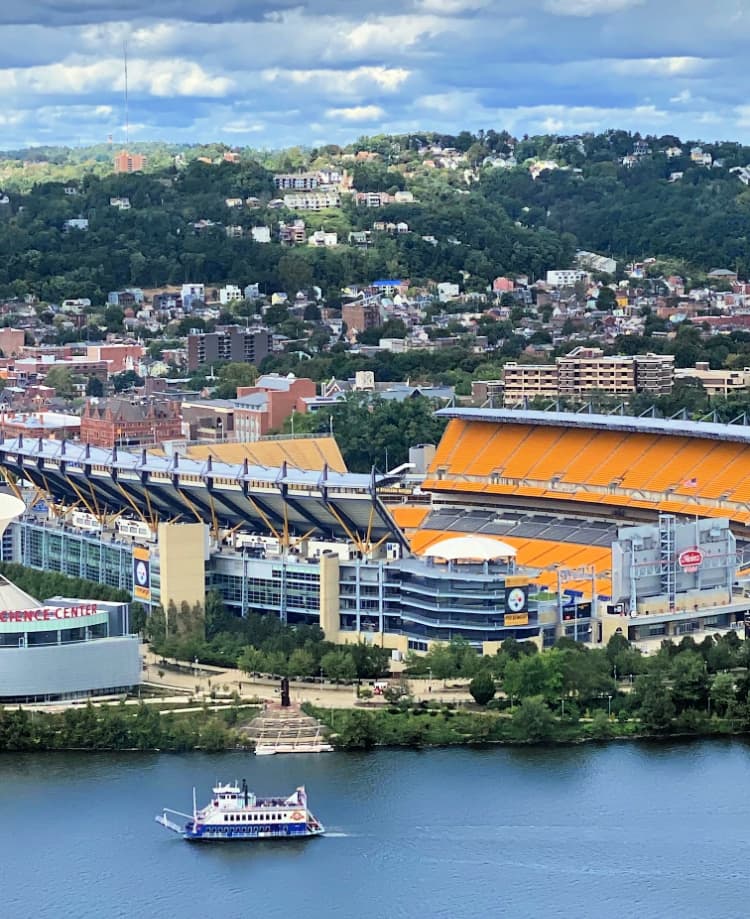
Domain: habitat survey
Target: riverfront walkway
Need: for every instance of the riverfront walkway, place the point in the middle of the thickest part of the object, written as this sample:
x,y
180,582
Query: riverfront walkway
x,y
205,680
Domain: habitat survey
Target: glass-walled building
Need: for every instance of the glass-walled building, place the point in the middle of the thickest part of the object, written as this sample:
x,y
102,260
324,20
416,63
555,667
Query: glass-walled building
x,y
413,601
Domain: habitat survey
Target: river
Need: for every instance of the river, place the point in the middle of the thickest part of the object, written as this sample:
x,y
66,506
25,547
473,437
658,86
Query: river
x,y
625,830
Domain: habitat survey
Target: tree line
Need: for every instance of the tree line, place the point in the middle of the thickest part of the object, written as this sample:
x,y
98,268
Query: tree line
x,y
119,727
565,694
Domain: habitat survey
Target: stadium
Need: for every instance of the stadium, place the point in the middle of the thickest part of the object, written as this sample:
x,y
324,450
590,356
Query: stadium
x,y
526,525
573,493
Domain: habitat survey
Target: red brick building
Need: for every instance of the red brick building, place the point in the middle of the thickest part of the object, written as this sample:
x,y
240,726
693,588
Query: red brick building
x,y
123,421
11,342
265,407
118,355
360,316
129,162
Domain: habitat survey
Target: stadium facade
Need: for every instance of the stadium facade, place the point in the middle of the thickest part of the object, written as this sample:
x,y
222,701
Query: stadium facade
x,y
594,508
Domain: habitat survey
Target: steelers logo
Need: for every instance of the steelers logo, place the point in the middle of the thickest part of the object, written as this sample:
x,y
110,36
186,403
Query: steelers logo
x,y
141,574
516,600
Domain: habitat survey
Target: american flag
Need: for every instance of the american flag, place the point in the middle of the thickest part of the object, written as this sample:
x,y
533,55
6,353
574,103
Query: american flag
x,y
690,483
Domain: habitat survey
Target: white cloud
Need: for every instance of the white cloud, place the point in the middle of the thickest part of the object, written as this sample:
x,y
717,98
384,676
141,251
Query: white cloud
x,y
273,69
156,78
682,97
660,66
588,7
356,113
388,79
244,126
393,32
451,7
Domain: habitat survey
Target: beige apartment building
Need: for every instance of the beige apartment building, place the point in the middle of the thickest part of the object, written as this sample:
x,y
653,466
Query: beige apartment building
x,y
586,370
716,382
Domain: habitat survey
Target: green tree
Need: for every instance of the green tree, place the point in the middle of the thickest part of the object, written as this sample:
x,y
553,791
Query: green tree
x,y
689,680
656,708
94,387
533,721
600,726
252,660
233,375
301,663
357,732
722,692
128,379
338,665
62,381
482,688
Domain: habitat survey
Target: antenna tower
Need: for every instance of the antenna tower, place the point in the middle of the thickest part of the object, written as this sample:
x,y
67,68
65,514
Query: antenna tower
x,y
127,114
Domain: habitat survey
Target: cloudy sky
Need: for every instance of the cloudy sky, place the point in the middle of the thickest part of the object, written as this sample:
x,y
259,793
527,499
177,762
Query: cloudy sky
x,y
277,72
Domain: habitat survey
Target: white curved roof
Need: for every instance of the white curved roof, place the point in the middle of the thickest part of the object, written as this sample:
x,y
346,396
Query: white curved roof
x,y
10,508
470,548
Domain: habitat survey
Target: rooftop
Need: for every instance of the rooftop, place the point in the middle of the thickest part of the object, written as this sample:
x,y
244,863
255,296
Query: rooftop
x,y
707,430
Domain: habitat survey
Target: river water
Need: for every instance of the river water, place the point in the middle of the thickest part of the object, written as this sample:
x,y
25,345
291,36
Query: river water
x,y
625,830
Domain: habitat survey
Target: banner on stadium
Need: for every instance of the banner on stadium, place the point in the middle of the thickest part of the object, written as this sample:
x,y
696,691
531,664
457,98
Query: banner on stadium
x,y
142,574
516,600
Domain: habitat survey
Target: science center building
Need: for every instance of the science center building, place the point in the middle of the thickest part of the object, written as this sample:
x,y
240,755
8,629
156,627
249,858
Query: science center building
x,y
61,648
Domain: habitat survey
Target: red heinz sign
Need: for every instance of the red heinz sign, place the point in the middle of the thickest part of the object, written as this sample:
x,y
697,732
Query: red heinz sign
x,y
690,559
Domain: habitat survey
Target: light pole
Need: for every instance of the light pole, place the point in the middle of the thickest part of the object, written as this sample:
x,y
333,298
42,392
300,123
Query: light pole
x,y
609,705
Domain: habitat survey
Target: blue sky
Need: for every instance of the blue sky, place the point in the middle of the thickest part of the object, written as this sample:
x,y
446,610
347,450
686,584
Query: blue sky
x,y
271,73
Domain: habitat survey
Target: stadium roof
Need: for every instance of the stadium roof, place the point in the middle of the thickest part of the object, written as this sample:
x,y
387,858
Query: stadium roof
x,y
470,548
155,487
627,423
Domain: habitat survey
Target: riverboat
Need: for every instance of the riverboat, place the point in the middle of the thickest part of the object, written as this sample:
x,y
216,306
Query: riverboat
x,y
235,813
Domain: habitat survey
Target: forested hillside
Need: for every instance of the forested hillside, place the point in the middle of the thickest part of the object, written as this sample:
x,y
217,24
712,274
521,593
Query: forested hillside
x,y
479,220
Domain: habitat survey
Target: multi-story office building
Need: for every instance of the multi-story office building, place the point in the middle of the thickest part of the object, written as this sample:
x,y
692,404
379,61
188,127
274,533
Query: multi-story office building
x,y
229,344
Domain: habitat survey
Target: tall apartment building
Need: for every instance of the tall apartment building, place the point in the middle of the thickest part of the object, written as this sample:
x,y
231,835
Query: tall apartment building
x,y
129,162
231,343
587,370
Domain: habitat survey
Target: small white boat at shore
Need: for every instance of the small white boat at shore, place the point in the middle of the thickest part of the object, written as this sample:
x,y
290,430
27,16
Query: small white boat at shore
x,y
269,749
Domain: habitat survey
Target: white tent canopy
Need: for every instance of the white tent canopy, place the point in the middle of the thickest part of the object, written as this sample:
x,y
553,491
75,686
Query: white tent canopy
x,y
470,548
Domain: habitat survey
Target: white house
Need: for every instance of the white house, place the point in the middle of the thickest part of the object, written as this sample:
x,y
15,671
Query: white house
x,y
261,234
122,204
76,223
192,292
322,239
447,291
229,293
566,277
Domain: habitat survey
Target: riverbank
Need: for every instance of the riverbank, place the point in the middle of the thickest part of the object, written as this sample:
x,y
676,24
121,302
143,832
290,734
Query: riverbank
x,y
431,725
223,727
122,727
